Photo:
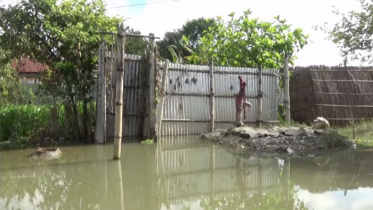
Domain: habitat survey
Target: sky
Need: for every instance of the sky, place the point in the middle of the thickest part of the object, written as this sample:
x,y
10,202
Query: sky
x,y
160,16
168,15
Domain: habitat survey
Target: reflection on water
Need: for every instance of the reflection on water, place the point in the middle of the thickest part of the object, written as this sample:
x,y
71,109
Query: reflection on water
x,y
184,173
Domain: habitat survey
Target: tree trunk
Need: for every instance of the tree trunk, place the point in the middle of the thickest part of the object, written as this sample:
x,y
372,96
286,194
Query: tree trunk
x,y
54,118
76,119
68,115
75,109
86,122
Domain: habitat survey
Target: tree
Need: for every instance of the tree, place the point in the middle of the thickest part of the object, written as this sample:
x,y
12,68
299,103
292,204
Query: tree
x,y
193,30
64,35
183,42
248,42
134,45
353,34
10,87
173,48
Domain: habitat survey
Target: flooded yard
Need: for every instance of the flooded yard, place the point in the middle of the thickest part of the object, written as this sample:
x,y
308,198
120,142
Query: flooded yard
x,y
184,173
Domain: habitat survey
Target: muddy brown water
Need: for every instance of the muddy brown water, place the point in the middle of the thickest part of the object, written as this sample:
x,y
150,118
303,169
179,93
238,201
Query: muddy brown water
x,y
184,173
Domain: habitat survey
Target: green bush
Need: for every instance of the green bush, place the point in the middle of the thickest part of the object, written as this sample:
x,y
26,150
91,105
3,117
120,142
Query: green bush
x,y
20,121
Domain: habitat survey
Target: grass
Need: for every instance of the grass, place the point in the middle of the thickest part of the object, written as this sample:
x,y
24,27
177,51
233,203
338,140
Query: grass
x,y
363,133
282,123
147,141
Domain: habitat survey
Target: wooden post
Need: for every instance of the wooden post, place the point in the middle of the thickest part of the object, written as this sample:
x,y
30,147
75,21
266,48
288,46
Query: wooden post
x,y
119,95
164,86
101,93
151,76
212,98
260,97
287,94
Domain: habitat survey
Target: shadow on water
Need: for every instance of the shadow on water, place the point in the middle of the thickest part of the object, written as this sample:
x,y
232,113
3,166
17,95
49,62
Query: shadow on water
x,y
176,173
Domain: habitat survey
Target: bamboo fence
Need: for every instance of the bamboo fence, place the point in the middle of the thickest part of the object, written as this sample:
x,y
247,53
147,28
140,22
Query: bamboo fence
x,y
341,95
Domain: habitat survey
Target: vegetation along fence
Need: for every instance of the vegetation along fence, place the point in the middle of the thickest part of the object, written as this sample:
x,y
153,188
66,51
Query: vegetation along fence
x,y
341,95
194,96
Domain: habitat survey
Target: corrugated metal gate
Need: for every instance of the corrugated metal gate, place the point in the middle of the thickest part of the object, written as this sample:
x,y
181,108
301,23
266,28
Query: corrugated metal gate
x,y
132,125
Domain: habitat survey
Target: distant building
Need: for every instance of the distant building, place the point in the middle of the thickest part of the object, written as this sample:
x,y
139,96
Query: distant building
x,y
28,70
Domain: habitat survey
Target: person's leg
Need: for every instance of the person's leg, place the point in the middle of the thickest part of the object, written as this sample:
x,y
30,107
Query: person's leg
x,y
239,116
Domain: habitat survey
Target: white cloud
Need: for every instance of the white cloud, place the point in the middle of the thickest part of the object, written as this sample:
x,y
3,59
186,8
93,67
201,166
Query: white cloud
x,y
354,200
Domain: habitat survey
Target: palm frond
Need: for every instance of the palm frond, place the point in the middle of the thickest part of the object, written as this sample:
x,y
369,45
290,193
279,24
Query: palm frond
x,y
175,57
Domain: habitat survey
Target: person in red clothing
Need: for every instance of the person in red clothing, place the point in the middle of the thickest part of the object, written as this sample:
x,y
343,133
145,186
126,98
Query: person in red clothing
x,y
241,102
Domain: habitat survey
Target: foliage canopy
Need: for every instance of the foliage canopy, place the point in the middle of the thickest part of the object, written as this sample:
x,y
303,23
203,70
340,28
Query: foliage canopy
x,y
174,48
249,42
64,35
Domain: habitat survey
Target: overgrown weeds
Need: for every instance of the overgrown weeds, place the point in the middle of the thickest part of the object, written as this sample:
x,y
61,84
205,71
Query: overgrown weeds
x,y
363,132
23,126
19,121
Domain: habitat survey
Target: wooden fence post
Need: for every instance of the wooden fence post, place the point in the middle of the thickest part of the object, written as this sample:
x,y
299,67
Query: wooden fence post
x,y
103,93
260,97
212,98
151,105
119,95
164,86
286,87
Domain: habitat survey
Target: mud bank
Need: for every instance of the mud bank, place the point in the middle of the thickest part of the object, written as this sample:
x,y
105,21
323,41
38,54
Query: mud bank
x,y
298,141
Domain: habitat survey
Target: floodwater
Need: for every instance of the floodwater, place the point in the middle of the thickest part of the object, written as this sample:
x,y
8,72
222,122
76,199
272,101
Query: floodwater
x,y
184,173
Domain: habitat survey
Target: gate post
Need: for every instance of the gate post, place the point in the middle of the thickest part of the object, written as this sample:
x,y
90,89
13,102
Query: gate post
x,y
260,97
163,95
152,105
212,98
119,95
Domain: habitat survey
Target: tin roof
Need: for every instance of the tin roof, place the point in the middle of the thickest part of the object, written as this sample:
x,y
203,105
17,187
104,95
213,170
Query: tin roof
x,y
26,65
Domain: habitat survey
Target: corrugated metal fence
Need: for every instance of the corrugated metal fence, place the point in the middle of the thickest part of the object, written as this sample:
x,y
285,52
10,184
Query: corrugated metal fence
x,y
186,108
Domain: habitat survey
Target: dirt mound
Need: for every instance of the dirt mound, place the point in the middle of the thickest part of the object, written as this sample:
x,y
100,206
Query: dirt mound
x,y
292,140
